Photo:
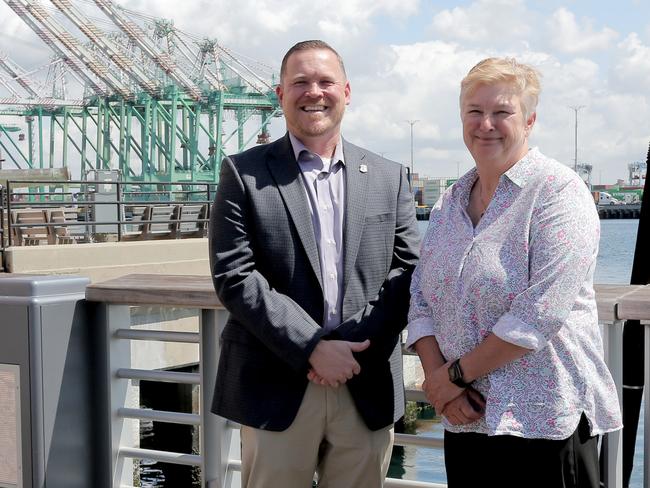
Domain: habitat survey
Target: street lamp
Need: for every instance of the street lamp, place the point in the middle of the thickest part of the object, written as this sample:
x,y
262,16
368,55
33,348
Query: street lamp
x,y
412,123
575,156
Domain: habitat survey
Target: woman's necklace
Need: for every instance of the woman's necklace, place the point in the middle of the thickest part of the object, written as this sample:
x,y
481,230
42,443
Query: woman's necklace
x,y
481,199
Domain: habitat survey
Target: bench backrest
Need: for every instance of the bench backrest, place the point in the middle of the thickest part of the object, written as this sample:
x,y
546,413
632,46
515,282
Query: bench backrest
x,y
30,236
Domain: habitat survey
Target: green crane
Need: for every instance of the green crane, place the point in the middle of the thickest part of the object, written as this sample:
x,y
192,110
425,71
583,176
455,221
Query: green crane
x,y
155,101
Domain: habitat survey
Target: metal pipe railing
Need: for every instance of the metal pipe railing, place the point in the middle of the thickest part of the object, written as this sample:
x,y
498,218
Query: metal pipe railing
x,y
646,410
161,376
2,227
160,416
158,335
125,196
395,483
162,456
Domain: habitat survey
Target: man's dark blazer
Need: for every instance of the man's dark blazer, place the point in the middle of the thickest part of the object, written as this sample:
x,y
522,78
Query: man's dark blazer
x,y
266,272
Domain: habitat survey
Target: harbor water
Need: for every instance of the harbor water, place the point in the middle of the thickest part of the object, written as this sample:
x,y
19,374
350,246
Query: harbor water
x,y
614,266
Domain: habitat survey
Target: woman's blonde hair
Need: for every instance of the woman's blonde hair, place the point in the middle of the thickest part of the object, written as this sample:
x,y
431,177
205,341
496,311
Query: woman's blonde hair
x,y
522,76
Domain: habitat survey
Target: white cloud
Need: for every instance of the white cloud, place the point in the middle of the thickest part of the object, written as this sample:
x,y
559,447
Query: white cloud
x,y
256,22
567,35
632,71
413,82
495,21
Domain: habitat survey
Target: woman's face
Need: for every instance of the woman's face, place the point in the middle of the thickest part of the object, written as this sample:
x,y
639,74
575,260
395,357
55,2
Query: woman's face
x,y
494,128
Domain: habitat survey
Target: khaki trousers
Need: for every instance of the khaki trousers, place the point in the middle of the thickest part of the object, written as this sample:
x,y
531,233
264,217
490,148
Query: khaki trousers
x,y
327,437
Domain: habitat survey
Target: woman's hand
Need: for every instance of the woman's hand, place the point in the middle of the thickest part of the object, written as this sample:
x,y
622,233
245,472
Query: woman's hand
x,y
466,408
438,389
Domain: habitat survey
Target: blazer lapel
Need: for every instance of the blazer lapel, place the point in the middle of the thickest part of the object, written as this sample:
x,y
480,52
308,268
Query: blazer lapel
x,y
286,173
355,211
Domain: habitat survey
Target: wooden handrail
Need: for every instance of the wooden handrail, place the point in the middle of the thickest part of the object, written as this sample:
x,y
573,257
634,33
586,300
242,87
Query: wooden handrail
x,y
615,302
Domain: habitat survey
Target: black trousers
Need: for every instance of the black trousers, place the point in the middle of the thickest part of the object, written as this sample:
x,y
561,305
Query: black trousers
x,y
504,461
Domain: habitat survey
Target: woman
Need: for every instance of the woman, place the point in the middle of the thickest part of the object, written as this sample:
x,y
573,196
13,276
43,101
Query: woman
x,y
503,312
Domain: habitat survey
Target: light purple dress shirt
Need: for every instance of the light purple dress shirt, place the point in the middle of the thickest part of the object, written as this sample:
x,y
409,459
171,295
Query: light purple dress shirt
x,y
524,273
324,181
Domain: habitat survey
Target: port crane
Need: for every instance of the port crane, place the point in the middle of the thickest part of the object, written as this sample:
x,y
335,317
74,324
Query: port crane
x,y
130,93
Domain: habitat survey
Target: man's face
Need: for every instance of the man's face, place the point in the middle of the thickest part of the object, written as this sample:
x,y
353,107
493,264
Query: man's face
x,y
313,93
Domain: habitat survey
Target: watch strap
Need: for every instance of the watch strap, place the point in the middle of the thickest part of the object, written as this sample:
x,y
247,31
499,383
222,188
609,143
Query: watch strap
x,y
456,374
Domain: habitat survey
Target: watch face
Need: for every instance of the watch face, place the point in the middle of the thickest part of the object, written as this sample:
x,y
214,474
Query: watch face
x,y
456,375
453,373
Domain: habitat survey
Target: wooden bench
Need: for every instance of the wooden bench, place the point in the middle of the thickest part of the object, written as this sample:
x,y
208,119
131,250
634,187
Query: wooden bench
x,y
135,214
160,225
190,220
30,236
151,222
64,234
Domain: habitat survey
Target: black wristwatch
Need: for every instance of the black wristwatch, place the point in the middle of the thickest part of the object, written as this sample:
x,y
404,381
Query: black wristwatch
x,y
456,374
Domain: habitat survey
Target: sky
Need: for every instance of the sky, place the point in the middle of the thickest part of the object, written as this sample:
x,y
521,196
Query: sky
x,y
405,60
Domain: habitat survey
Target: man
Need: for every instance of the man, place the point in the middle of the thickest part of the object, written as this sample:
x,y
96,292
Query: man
x,y
312,243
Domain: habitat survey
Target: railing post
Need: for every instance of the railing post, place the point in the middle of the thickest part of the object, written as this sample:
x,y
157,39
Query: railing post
x,y
120,211
207,213
613,441
646,410
118,392
2,224
216,435
9,229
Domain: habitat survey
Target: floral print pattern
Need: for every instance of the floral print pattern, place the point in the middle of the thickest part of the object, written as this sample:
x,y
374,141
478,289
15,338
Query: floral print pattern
x,y
524,273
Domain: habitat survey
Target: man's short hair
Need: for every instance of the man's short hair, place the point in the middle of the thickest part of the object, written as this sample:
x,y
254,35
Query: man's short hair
x,y
306,46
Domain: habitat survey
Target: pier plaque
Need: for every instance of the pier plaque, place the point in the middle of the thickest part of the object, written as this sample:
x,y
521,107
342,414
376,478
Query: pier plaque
x,y
10,453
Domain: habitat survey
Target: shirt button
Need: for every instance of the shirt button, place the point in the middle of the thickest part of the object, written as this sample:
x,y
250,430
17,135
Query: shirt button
x,y
333,276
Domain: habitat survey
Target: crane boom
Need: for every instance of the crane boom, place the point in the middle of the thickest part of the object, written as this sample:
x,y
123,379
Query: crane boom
x,y
60,50
17,74
93,33
41,101
73,45
164,61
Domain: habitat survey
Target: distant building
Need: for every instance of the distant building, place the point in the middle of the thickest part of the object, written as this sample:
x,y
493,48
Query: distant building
x,y
416,185
432,188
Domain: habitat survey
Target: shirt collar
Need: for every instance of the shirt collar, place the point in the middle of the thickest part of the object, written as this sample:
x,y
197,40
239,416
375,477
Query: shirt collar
x,y
520,173
299,147
523,169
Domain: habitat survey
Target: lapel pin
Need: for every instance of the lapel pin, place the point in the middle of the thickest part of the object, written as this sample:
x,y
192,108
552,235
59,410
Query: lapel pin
x,y
363,168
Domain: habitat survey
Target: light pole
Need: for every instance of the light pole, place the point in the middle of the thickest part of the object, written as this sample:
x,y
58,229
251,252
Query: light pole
x,y
412,123
575,156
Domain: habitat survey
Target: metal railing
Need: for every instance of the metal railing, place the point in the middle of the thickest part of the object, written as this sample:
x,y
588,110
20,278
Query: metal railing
x,y
219,439
101,208
3,215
